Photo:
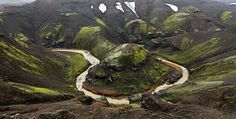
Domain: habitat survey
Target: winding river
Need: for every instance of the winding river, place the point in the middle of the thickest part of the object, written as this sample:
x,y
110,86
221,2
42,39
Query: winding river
x,y
94,61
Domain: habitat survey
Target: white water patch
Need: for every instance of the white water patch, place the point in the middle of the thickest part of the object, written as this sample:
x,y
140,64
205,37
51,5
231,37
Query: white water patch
x,y
132,6
173,7
102,7
92,7
119,7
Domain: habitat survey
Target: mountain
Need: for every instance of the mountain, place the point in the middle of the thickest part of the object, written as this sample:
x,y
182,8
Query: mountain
x,y
133,46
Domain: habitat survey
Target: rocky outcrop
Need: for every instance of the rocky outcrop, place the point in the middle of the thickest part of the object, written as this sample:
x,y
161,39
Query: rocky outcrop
x,y
87,100
154,103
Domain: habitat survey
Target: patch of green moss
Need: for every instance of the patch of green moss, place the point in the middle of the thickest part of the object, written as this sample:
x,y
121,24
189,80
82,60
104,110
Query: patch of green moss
x,y
30,62
175,21
126,55
230,97
68,14
42,32
102,23
225,17
34,89
143,27
153,20
51,35
132,21
77,65
137,56
91,38
135,105
179,91
99,72
21,39
186,44
133,79
58,27
87,36
218,70
58,34
198,51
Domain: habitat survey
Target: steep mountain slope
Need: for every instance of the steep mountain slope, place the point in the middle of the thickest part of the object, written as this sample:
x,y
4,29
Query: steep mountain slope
x,y
211,59
32,71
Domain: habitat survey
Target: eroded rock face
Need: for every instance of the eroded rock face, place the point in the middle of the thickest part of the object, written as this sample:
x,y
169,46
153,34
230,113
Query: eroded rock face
x,y
154,103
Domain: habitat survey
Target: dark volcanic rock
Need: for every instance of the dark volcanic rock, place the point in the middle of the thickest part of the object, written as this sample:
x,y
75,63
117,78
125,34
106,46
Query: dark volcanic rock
x,y
103,99
86,100
154,103
60,114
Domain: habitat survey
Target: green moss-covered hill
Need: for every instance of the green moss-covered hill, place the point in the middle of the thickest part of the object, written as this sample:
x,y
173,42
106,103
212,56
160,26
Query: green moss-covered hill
x,y
191,19
210,57
128,69
29,73
92,38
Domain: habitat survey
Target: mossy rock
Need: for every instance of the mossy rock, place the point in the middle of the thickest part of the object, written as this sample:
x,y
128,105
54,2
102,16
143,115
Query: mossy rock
x,y
225,17
92,38
21,39
143,27
102,23
97,72
103,99
175,21
126,55
87,100
51,34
